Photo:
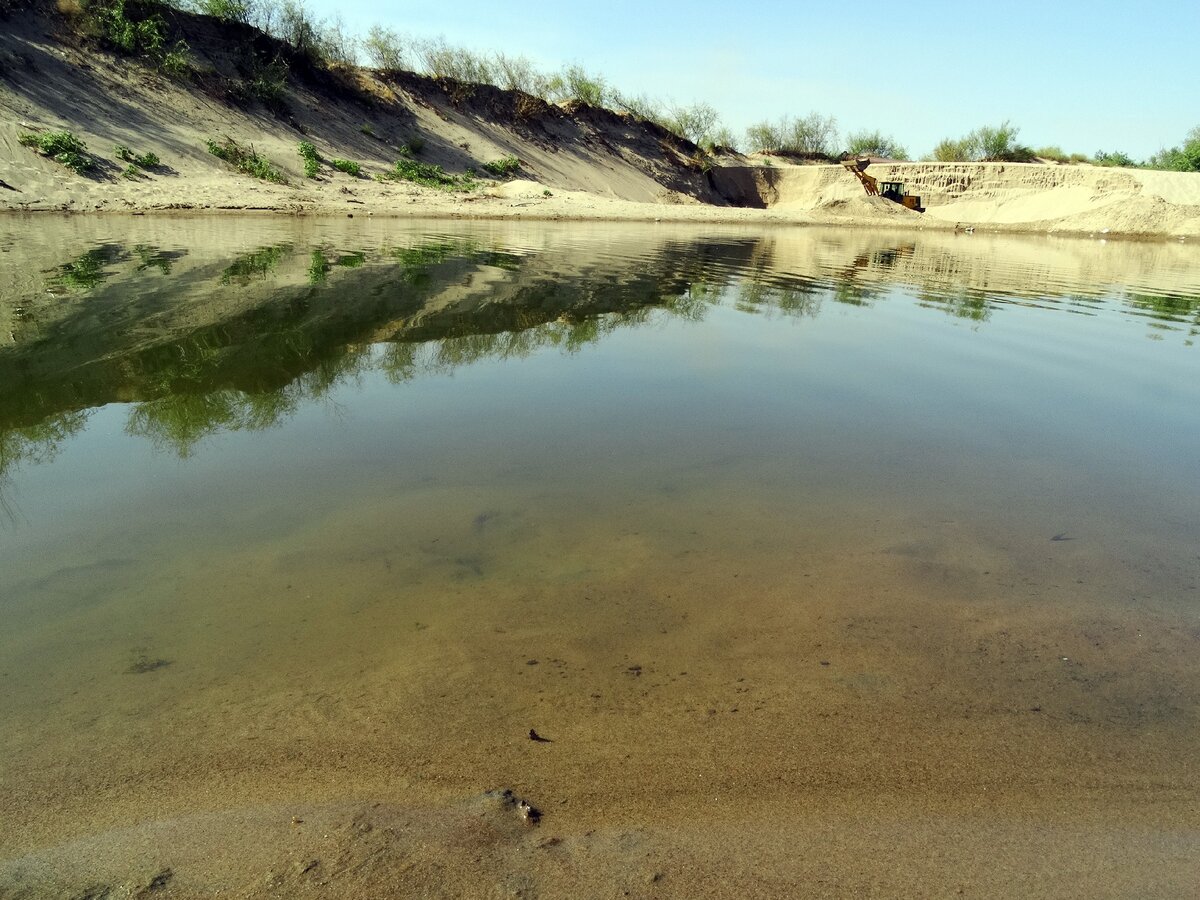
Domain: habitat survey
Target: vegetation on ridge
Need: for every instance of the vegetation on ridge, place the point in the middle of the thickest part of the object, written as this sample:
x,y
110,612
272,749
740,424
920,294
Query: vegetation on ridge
x,y
150,29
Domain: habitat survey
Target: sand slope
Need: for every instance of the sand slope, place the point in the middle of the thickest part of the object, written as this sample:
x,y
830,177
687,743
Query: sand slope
x,y
577,162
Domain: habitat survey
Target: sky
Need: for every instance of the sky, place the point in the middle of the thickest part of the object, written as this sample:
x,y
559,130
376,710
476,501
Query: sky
x,y
1084,76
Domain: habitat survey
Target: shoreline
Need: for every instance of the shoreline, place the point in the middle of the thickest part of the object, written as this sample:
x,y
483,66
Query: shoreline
x,y
632,213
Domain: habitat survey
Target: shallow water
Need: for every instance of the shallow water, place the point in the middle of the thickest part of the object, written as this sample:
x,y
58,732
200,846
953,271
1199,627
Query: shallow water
x,y
796,545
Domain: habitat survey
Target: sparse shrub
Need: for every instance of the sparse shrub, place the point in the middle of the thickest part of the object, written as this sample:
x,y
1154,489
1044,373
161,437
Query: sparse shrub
x,y
131,172
546,193
267,81
999,143
503,168
62,147
385,48
176,63
724,139
442,60
413,146
246,159
226,10
874,143
640,106
517,73
347,166
950,150
310,158
367,129
987,143
694,123
811,135
576,83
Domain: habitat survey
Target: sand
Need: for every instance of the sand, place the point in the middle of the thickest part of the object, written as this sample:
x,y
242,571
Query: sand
x,y
576,164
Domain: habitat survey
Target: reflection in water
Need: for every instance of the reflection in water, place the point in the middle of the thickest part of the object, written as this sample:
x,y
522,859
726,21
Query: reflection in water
x,y
430,306
791,539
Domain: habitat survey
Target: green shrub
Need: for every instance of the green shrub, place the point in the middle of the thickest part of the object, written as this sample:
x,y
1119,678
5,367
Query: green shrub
x,y
310,158
950,150
347,166
144,161
1180,159
132,172
62,147
226,10
367,129
503,168
987,143
245,159
1116,158
428,175
999,143
582,86
266,82
874,143
412,147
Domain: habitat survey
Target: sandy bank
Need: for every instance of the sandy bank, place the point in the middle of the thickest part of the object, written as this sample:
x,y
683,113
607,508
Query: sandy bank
x,y
577,162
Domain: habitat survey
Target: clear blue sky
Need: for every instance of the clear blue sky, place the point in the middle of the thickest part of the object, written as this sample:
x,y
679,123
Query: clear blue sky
x,y
1082,75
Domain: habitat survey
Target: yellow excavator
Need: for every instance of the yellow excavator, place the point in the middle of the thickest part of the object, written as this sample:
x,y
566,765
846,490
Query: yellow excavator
x,y
891,190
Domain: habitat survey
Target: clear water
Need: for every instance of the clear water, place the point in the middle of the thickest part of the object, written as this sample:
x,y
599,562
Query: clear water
x,y
760,529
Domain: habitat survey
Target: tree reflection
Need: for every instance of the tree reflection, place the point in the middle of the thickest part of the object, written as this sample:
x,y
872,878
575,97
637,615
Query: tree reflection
x,y
334,316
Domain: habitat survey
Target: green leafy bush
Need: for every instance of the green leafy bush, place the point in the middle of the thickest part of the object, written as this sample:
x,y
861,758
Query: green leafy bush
x,y
1115,158
310,158
144,161
245,159
62,147
428,175
347,166
503,168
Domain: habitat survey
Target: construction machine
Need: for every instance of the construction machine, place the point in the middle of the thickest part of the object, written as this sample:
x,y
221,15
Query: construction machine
x,y
891,190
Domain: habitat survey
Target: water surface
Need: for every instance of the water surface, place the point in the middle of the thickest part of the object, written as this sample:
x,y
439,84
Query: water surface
x,y
836,562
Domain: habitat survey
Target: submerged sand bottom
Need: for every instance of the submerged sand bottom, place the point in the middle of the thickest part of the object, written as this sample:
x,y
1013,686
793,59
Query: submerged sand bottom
x,y
866,703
